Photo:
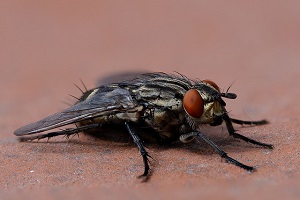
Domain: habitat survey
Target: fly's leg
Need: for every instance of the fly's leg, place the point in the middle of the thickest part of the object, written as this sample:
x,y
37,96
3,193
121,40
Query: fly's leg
x,y
67,132
223,154
232,131
142,150
242,122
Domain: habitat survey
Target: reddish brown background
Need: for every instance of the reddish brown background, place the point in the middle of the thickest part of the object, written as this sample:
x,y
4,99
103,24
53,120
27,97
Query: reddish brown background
x,y
46,46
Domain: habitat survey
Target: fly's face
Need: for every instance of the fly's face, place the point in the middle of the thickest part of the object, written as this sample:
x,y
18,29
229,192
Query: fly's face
x,y
203,103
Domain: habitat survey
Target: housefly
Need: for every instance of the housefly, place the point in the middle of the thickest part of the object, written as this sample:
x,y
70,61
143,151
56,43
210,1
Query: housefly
x,y
171,106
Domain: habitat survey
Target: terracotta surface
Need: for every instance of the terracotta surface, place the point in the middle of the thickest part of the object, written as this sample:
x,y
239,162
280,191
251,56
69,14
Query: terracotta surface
x,y
46,46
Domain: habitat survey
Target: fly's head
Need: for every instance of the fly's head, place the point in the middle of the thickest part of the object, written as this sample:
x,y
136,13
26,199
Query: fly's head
x,y
203,103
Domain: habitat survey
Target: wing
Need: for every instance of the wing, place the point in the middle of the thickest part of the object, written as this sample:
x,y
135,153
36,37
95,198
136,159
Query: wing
x,y
100,101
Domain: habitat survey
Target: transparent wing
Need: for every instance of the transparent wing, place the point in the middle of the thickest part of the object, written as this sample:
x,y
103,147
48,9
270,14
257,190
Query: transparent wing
x,y
97,102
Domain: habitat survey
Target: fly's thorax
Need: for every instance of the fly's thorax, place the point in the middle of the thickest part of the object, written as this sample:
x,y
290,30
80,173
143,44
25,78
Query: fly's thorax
x,y
163,106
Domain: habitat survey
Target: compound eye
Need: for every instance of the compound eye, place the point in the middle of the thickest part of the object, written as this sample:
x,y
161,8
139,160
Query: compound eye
x,y
213,84
193,103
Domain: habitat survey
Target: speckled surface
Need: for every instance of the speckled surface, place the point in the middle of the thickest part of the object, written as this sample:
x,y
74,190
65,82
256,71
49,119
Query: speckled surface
x,y
46,47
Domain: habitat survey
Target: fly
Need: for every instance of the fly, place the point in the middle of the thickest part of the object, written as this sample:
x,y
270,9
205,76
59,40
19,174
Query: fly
x,y
172,107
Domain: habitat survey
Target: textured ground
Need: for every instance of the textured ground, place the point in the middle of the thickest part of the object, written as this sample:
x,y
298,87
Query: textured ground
x,y
47,46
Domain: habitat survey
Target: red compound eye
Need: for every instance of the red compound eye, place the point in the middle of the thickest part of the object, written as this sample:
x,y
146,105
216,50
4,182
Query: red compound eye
x,y
193,103
212,84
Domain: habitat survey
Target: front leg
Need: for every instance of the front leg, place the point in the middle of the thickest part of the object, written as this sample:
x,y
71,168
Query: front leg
x,y
243,122
232,131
